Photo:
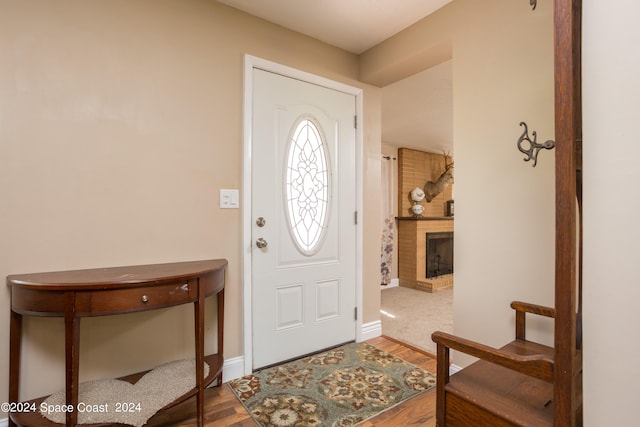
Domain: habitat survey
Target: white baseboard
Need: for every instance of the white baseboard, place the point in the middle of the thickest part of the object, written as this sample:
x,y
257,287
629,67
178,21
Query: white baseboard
x,y
232,369
392,284
371,330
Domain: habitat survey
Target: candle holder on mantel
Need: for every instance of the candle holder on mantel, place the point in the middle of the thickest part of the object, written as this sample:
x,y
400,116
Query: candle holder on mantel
x,y
417,196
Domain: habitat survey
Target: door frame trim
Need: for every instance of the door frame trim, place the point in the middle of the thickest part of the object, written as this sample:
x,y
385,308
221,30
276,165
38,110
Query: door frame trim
x,y
251,62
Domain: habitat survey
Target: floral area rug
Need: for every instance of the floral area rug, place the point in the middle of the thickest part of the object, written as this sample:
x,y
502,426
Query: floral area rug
x,y
340,387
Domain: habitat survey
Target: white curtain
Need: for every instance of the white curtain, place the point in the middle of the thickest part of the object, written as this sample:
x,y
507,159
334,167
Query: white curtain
x,y
386,257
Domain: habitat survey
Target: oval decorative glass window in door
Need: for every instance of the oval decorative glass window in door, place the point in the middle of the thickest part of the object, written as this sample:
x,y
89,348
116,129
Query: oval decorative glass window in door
x,y
307,186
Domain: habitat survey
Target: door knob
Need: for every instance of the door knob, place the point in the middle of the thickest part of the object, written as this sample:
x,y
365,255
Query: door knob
x,y
261,243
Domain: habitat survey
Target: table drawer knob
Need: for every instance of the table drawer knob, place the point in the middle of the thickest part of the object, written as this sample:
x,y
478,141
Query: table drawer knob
x,y
145,298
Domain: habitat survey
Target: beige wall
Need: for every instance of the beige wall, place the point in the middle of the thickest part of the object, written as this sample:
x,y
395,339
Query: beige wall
x,y
372,211
504,249
424,44
119,123
611,66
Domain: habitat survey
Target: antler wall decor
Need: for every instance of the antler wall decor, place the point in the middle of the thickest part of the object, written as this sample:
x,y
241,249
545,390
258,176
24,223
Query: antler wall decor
x,y
432,189
534,147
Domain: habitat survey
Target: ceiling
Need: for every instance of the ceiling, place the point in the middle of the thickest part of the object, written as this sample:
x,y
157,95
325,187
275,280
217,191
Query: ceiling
x,y
416,111
353,25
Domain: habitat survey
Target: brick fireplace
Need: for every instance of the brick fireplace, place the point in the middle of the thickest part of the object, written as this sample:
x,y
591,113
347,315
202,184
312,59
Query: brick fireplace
x,y
412,253
415,168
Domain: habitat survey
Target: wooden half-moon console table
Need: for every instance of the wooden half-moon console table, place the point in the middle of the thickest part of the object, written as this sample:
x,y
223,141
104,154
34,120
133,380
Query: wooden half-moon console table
x,y
107,291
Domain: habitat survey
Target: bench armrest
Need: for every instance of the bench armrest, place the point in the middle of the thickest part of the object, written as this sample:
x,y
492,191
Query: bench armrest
x,y
538,366
526,307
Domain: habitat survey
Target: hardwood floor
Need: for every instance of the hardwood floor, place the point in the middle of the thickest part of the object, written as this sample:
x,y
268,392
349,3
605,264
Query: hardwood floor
x,y
222,409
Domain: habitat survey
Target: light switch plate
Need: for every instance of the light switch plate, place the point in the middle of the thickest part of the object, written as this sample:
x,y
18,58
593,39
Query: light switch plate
x,y
229,199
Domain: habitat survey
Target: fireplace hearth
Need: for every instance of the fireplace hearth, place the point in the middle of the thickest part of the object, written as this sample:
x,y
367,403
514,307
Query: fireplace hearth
x,y
439,256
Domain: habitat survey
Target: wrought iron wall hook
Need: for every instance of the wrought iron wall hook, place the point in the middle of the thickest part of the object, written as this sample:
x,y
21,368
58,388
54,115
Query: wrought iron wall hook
x,y
533,4
533,147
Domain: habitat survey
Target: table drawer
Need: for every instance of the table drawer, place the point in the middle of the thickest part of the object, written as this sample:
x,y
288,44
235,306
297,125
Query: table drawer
x,y
137,298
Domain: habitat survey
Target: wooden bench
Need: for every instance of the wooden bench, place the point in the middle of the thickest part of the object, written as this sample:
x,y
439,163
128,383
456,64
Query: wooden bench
x,y
509,386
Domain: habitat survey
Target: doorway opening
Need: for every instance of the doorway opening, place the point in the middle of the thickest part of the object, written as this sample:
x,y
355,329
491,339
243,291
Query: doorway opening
x,y
417,114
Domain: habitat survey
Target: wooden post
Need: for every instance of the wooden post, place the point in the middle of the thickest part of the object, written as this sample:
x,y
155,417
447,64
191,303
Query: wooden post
x,y
442,379
567,125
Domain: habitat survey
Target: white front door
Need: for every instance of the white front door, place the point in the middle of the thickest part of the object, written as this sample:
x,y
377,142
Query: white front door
x,y
303,207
